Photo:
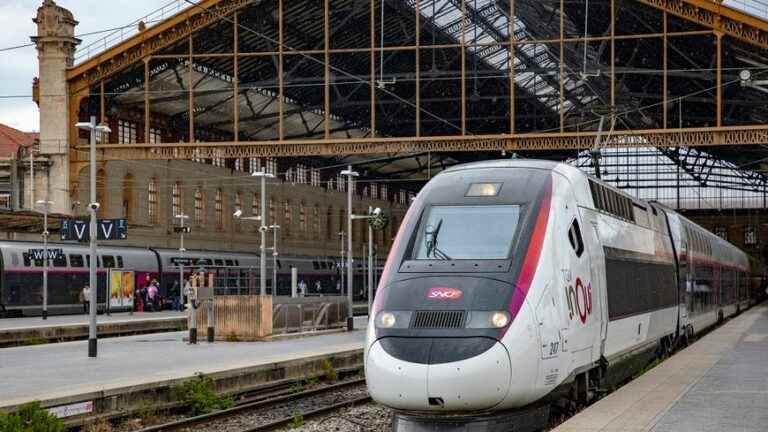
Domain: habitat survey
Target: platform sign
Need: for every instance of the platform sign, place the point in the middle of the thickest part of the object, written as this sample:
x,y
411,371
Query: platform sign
x,y
39,254
71,410
107,229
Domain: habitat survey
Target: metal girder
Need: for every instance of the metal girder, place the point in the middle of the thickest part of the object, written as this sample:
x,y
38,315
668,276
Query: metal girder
x,y
714,15
692,137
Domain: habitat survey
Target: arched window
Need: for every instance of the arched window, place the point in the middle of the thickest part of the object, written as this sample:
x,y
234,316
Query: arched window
x,y
238,206
271,217
176,200
219,206
152,201
303,217
287,217
128,197
101,192
199,207
329,234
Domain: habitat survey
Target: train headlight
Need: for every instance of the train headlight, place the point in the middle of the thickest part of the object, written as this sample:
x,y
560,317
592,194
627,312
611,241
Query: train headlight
x,y
391,319
488,319
499,319
388,320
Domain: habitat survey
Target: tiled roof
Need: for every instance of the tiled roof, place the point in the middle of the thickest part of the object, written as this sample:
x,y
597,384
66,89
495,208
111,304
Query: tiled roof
x,y
11,139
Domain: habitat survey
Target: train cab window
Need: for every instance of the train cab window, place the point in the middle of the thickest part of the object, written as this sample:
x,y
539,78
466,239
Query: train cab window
x,y
574,237
60,260
75,260
229,263
119,262
218,262
471,232
108,260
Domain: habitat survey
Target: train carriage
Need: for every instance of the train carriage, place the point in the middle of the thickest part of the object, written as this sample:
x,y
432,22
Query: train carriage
x,y
514,284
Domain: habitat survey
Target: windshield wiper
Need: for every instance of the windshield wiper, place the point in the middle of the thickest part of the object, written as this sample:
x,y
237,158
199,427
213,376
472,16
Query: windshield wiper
x,y
431,240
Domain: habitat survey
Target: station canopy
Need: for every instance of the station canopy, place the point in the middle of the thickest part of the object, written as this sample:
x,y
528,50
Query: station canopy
x,y
415,70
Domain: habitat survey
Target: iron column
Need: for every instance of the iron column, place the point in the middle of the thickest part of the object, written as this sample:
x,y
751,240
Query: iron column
x,y
181,217
350,309
46,205
263,230
274,229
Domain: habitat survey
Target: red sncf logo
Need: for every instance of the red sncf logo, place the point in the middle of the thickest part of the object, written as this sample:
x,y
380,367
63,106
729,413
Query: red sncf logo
x,y
441,293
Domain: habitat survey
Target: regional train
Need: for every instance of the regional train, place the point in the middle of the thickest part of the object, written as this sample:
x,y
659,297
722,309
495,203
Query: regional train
x,y
516,286
21,273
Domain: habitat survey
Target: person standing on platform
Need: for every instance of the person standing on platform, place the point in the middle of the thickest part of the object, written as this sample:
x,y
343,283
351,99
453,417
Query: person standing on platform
x,y
152,296
85,298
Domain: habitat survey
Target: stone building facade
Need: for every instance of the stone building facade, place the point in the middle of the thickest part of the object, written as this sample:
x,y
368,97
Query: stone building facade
x,y
309,205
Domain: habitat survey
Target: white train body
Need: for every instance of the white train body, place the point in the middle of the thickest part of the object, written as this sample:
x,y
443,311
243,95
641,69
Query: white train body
x,y
591,277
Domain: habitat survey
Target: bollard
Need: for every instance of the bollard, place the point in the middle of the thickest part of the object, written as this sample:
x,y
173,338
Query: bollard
x,y
193,325
210,322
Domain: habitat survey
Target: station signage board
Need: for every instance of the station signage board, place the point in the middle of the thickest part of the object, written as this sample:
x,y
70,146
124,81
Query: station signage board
x,y
106,229
39,254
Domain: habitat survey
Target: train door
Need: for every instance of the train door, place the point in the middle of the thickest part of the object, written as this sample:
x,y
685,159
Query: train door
x,y
589,286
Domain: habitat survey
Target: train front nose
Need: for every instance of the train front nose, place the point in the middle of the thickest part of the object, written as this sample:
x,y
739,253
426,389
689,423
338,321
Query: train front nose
x,y
438,374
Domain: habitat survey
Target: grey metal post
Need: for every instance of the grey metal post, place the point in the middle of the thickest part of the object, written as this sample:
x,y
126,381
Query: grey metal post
x,y
274,257
294,282
181,218
193,310
45,261
93,282
350,252
263,230
342,285
370,265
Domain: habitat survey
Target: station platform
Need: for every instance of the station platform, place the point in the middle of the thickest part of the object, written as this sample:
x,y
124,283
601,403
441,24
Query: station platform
x,y
19,331
127,367
717,384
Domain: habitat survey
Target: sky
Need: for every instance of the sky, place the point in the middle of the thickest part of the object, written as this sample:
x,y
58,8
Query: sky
x,y
19,67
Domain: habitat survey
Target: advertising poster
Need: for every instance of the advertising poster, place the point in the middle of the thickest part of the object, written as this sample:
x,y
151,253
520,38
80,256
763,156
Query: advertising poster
x,y
121,286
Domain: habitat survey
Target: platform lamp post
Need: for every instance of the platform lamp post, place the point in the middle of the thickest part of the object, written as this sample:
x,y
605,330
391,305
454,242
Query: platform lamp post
x,y
46,205
372,214
263,175
342,235
238,214
350,307
93,129
181,229
274,228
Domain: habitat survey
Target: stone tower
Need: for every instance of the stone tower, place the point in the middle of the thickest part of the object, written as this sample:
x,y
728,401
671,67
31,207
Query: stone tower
x,y
56,44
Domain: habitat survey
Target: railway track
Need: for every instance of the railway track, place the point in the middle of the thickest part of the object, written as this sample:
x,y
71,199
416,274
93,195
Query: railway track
x,y
270,411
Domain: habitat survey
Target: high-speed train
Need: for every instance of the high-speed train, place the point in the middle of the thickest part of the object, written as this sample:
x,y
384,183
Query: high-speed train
x,y
515,283
21,273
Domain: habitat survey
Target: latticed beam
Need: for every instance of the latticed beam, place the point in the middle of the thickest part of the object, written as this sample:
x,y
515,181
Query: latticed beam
x,y
712,14
692,137
151,40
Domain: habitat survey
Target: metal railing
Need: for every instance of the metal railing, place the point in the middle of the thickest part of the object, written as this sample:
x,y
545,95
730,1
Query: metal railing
x,y
98,46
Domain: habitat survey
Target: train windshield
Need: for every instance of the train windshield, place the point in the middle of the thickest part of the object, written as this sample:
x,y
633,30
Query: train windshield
x,y
467,232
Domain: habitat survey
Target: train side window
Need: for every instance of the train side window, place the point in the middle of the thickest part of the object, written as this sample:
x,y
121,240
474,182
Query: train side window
x,y
315,265
218,262
75,260
27,259
60,260
108,260
237,263
229,263
119,262
279,264
574,237
15,259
